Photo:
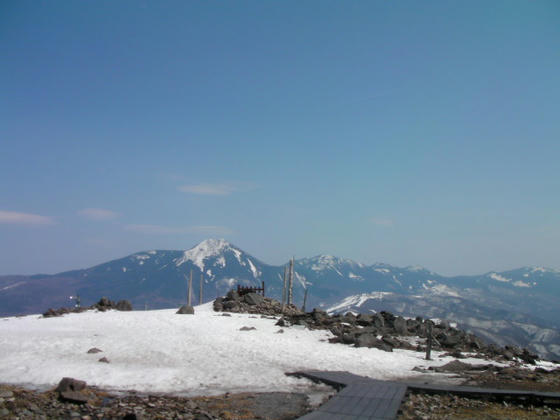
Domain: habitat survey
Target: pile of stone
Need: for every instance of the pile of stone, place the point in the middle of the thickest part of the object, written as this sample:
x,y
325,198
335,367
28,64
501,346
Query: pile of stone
x,y
253,303
381,330
103,305
386,331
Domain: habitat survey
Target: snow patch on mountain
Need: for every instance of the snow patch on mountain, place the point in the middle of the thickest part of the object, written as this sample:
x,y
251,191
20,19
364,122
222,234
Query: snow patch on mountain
x,y
301,279
520,283
355,276
497,277
237,254
11,286
221,261
441,290
357,300
256,273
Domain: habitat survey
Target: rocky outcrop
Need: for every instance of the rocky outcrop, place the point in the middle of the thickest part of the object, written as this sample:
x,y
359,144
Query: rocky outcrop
x,y
70,390
253,303
381,330
103,305
386,331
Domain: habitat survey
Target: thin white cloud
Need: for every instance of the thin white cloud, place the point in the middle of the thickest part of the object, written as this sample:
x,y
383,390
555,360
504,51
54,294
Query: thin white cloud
x,y
380,221
98,214
217,189
171,230
207,189
18,218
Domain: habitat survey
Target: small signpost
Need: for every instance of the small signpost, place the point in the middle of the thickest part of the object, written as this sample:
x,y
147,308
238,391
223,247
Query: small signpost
x,y
304,300
429,340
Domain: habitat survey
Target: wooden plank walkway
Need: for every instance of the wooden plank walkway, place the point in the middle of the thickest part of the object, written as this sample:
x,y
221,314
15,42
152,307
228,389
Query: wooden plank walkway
x,y
361,398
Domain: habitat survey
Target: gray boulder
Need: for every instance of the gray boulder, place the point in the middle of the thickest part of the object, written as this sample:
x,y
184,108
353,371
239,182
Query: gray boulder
x,y
74,397
370,340
447,340
124,305
247,328
378,321
186,310
253,299
399,325
233,295
364,319
70,384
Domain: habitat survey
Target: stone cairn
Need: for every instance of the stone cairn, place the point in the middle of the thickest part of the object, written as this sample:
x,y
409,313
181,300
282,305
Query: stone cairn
x,y
103,305
253,303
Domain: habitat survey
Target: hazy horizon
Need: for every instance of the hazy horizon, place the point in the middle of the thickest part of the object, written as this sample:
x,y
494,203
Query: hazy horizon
x,y
279,263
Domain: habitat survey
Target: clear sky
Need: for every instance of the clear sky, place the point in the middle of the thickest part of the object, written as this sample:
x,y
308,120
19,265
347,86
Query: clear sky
x,y
405,132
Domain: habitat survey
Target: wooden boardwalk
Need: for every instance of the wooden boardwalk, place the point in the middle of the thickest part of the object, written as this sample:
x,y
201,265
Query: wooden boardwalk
x,y
361,398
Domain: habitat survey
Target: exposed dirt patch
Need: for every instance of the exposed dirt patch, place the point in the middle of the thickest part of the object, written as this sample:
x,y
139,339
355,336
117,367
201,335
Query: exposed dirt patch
x,y
439,407
517,378
16,402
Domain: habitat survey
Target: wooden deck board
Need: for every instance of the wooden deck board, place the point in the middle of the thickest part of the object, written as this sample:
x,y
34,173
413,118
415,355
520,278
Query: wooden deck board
x,y
364,398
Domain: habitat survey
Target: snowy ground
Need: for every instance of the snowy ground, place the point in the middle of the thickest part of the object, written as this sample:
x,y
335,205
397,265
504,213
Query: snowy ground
x,y
201,354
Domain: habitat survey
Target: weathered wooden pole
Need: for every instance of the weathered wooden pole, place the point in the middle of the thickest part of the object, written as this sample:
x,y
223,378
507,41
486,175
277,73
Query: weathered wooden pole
x,y
429,340
189,290
291,282
304,300
200,297
284,288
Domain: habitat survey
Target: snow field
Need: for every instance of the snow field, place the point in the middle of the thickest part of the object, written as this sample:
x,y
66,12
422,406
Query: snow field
x,y
201,354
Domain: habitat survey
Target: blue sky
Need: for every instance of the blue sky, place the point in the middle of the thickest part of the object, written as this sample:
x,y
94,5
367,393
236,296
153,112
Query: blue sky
x,y
402,132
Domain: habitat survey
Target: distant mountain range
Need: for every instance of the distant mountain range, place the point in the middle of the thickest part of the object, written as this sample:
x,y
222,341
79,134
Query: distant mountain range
x,y
514,307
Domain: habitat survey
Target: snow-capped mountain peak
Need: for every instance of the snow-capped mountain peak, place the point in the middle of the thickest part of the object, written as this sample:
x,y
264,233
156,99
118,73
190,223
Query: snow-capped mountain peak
x,y
418,269
325,262
206,249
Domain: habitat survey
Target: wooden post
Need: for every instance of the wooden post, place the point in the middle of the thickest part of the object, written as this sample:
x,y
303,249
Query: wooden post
x,y
429,340
284,288
200,297
263,287
304,300
189,290
291,283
